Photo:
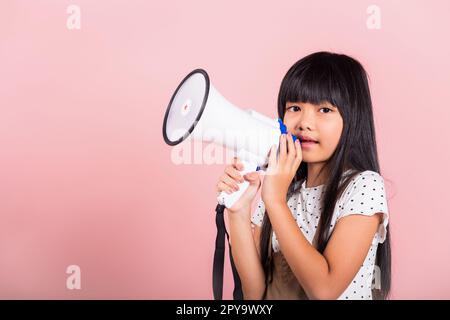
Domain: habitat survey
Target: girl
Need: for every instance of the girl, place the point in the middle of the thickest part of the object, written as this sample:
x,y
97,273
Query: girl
x,y
320,230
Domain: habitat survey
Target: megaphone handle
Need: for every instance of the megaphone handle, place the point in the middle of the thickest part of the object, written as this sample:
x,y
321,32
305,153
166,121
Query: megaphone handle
x,y
229,199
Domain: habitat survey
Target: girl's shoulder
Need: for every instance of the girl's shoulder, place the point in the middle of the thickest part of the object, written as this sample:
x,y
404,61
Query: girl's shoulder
x,y
367,177
365,194
363,183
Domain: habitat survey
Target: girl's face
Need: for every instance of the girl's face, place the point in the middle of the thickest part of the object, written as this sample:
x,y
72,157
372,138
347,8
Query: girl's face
x,y
322,123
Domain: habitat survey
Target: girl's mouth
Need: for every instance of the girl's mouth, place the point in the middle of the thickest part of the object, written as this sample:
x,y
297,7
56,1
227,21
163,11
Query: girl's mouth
x,y
308,144
305,138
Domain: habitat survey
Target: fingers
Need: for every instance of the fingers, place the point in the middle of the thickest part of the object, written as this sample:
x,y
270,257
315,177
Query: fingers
x,y
272,158
233,173
283,148
292,152
251,176
222,186
237,164
230,182
298,155
227,183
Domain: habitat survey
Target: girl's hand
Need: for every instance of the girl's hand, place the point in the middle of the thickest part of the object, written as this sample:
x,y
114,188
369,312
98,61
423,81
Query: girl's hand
x,y
281,171
228,182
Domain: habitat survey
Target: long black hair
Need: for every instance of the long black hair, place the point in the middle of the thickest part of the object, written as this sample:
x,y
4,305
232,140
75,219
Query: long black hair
x,y
343,82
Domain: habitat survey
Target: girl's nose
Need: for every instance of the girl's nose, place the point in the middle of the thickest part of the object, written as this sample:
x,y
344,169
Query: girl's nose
x,y
305,123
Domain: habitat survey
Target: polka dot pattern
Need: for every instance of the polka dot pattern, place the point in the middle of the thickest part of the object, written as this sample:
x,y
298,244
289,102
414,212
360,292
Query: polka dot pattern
x,y
366,195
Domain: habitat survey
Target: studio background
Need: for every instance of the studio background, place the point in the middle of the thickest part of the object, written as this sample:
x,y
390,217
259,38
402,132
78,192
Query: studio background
x,y
87,180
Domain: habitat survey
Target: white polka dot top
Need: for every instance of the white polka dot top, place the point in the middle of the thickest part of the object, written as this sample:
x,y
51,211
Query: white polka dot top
x,y
365,194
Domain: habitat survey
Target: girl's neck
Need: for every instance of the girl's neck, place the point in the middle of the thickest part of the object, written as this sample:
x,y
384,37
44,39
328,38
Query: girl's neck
x,y
315,179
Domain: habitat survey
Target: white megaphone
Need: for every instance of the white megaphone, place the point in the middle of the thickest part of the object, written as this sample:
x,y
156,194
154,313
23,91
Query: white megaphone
x,y
199,111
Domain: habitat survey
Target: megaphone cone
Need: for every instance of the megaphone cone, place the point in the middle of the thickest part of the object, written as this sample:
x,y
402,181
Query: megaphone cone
x,y
196,109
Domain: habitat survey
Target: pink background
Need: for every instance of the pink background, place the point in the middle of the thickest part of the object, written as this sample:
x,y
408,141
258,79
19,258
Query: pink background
x,y
87,179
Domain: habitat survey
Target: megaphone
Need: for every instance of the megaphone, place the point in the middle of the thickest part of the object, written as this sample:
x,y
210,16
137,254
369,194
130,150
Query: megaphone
x,y
197,110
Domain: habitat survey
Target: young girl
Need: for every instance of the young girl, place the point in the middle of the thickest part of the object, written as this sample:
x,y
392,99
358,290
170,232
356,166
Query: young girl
x,y
320,230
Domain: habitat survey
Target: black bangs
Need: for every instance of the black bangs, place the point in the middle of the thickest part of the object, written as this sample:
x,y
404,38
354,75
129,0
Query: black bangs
x,y
314,79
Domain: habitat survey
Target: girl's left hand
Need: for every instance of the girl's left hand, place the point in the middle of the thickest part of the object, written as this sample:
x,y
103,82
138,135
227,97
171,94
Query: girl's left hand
x,y
281,171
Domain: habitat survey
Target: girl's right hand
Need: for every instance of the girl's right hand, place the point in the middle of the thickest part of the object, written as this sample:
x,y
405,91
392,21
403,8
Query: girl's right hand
x,y
228,183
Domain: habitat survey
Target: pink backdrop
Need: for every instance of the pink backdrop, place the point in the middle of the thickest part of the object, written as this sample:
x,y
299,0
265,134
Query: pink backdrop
x,y
86,178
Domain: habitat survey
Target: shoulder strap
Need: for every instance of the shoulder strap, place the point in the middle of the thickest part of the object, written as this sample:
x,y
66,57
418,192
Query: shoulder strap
x,y
219,257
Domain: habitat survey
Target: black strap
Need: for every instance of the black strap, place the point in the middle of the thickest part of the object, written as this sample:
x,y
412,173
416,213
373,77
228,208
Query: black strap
x,y
219,257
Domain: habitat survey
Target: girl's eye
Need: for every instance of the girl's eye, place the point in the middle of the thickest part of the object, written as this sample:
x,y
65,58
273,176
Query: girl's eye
x,y
294,108
328,110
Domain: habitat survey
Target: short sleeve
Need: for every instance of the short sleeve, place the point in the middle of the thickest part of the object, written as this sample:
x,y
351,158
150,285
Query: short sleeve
x,y
258,214
366,195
